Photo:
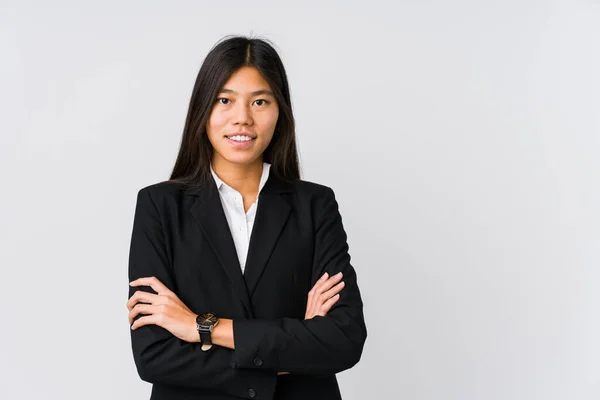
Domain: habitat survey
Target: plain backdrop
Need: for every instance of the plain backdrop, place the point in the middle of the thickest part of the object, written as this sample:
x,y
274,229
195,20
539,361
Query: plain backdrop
x,y
461,138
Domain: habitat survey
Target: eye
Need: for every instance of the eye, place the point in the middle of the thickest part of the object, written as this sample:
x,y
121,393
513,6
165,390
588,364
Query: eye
x,y
226,100
264,102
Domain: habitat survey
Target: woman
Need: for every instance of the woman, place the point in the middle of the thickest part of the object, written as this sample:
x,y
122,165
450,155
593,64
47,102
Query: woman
x,y
240,277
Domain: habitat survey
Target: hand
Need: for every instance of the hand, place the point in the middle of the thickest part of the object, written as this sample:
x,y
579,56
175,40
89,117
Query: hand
x,y
323,295
164,309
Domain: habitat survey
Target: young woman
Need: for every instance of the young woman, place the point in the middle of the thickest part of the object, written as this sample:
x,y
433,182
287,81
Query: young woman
x,y
240,279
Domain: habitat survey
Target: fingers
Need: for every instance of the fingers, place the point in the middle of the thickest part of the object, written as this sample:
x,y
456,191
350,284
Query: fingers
x,y
142,308
321,286
147,320
324,295
153,282
142,302
333,291
311,297
328,304
322,309
324,286
146,297
142,297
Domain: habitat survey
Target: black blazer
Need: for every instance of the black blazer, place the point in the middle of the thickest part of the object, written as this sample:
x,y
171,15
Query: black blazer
x,y
181,236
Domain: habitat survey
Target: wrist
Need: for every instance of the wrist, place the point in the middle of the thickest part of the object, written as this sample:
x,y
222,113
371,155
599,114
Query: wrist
x,y
194,335
222,334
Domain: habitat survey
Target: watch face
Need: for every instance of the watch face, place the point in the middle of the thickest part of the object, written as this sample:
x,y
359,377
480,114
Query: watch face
x,y
207,319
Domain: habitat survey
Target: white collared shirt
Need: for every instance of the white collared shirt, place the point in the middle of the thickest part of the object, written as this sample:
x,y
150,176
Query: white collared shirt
x,y
240,222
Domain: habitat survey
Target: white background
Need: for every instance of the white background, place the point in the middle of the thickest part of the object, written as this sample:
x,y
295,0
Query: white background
x,y
461,139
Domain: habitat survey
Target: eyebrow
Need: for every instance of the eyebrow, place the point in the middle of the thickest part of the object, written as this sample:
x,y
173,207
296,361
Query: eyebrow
x,y
255,93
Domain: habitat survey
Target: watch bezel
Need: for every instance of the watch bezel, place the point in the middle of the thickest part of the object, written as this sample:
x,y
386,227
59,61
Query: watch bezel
x,y
207,320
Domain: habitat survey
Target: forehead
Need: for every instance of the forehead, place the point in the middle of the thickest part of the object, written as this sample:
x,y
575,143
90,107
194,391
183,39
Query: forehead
x,y
246,80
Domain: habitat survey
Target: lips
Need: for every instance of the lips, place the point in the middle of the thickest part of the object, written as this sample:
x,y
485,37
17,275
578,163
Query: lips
x,y
241,144
250,135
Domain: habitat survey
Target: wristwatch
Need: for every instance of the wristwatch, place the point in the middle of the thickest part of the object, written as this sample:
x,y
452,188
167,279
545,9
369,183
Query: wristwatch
x,y
204,324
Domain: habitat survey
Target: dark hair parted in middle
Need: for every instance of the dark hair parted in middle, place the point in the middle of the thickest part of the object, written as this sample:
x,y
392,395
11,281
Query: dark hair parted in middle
x,y
192,166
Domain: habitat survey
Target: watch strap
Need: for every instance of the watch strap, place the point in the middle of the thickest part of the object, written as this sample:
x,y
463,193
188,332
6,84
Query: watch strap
x,y
205,337
205,329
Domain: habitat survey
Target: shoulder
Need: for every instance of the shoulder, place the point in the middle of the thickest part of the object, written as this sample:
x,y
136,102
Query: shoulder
x,y
312,189
319,197
159,194
163,189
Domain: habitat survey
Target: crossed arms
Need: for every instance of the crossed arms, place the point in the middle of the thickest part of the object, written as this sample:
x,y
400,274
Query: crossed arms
x,y
165,343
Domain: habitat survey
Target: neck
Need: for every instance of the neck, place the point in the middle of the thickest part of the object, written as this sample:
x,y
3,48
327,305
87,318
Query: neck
x,y
245,178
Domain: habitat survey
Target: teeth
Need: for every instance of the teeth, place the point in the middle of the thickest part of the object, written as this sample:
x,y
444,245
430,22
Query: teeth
x,y
240,138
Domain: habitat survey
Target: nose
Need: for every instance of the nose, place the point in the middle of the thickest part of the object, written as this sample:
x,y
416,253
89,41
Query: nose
x,y
243,115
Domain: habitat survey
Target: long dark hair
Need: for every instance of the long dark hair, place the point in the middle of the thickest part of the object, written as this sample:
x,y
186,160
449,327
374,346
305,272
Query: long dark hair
x,y
227,56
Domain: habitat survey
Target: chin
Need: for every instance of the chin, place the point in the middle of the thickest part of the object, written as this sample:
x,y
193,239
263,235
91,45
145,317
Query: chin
x,y
240,158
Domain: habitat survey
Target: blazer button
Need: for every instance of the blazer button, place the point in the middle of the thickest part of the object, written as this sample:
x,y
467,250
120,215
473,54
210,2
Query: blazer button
x,y
257,362
252,393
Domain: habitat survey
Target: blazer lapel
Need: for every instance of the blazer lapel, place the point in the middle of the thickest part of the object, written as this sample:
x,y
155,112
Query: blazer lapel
x,y
208,212
271,215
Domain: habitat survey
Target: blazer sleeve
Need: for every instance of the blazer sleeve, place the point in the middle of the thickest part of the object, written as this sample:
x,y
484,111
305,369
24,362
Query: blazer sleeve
x,y
322,345
161,357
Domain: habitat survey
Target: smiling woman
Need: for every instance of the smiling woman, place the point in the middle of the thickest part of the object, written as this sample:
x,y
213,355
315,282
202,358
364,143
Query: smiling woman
x,y
243,118
236,264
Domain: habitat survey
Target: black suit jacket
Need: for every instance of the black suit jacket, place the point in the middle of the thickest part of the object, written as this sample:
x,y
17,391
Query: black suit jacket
x,y
181,236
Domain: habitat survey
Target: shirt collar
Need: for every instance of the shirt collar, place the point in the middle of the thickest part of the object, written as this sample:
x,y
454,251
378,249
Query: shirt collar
x,y
263,178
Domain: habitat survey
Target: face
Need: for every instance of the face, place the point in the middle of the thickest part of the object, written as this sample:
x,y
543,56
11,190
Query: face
x,y
243,118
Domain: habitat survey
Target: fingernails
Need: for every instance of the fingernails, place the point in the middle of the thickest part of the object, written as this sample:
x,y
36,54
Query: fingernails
x,y
324,276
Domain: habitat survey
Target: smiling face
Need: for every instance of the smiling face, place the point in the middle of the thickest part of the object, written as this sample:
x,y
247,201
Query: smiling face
x,y
243,118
